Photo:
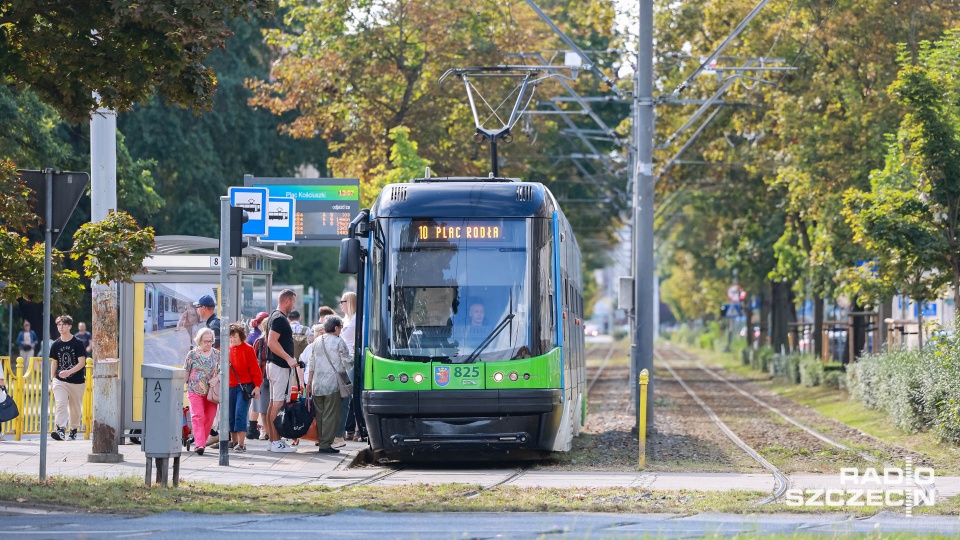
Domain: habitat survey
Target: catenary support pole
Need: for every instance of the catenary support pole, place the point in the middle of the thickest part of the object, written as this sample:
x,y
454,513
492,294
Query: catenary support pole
x,y
224,305
10,336
107,428
45,327
644,210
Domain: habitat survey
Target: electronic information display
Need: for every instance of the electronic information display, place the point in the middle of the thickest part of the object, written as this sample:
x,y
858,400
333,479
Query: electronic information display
x,y
325,206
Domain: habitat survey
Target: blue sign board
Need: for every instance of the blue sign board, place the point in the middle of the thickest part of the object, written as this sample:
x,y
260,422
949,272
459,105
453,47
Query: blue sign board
x,y
929,309
253,201
733,310
281,213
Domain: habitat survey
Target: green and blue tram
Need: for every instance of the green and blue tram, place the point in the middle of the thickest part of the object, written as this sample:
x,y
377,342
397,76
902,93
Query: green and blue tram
x,y
471,318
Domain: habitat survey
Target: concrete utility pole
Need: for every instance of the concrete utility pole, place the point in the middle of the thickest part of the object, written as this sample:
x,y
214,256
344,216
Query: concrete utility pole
x,y
106,314
643,210
224,305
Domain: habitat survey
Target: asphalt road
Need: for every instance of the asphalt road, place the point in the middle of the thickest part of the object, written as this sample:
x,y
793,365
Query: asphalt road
x,y
15,523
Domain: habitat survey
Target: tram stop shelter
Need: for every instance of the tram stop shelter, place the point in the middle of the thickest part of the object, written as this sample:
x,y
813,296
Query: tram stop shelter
x,y
157,316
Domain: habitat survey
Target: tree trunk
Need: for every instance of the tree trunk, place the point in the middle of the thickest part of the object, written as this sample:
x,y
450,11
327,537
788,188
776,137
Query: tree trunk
x,y
817,326
858,331
780,316
919,304
764,321
956,294
748,315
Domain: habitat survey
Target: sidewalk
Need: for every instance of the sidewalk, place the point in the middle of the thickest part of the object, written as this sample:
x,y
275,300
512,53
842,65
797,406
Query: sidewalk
x,y
308,467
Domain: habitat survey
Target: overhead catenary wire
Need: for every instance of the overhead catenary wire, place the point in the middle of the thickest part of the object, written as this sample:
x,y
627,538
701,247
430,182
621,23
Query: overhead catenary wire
x,y
810,36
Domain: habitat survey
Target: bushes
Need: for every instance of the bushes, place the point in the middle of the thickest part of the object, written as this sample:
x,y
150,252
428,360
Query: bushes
x,y
919,389
811,371
786,366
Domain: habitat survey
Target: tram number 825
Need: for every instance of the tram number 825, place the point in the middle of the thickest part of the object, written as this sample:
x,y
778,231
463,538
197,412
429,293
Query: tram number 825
x,y
466,371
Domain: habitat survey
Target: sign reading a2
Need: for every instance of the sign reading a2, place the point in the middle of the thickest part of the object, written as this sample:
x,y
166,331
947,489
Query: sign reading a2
x,y
466,371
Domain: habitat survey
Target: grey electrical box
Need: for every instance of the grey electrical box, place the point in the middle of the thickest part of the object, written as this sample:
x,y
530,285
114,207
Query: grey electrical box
x,y
625,296
162,410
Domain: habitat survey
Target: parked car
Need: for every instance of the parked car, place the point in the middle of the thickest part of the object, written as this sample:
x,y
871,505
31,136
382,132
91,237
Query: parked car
x,y
591,329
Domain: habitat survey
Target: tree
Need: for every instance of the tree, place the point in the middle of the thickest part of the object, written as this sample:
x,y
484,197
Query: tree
x,y
352,71
194,160
897,226
113,249
125,51
928,148
812,134
405,164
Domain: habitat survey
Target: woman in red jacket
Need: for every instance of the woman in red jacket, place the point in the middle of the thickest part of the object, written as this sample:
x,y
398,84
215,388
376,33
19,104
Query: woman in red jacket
x,y
245,371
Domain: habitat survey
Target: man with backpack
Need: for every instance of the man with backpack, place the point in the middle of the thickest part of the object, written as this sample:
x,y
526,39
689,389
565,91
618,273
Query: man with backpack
x,y
281,365
207,308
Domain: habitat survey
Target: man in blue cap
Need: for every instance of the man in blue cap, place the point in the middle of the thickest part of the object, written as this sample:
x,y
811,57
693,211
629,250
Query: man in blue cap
x,y
207,308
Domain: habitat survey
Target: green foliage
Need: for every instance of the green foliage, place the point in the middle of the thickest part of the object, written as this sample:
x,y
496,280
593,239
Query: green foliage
x,y
920,390
908,220
811,371
355,70
405,164
821,132
787,366
761,358
113,249
138,48
194,160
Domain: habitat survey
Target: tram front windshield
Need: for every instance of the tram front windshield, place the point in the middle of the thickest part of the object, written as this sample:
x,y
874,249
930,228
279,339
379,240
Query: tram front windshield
x,y
459,289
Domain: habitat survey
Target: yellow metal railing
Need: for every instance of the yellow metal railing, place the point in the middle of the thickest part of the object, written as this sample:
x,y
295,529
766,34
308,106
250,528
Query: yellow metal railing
x,y
24,382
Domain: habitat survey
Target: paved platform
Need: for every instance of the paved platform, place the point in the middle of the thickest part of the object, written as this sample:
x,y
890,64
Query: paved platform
x,y
308,467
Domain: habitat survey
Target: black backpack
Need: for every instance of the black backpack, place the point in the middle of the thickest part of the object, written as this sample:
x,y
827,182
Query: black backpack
x,y
260,349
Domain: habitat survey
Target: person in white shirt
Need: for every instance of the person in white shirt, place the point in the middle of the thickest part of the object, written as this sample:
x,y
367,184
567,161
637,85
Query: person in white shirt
x,y
348,303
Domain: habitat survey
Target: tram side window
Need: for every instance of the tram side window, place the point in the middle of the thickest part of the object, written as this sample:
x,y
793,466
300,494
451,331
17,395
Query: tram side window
x,y
548,305
377,299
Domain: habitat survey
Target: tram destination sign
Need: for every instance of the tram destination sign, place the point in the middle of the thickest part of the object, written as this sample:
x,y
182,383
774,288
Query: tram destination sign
x,y
438,230
324,206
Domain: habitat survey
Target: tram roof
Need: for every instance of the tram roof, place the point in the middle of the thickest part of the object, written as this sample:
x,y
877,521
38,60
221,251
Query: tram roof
x,y
467,197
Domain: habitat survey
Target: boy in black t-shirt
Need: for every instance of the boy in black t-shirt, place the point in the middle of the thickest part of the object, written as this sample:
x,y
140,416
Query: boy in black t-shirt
x,y
70,381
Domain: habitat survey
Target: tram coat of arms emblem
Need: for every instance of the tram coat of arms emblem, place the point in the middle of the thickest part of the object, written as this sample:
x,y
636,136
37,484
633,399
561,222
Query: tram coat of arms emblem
x,y
441,374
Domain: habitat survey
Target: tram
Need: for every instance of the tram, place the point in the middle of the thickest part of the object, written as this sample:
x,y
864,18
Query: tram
x,y
471,318
162,307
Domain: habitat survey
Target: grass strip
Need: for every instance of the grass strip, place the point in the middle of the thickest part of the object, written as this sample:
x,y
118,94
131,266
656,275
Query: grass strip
x,y
130,496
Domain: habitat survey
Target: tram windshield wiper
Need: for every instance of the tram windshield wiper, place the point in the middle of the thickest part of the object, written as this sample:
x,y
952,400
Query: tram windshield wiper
x,y
489,339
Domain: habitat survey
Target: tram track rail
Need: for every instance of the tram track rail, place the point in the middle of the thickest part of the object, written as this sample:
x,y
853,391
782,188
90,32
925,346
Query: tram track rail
x,y
517,474
781,480
603,364
773,409
374,478
787,418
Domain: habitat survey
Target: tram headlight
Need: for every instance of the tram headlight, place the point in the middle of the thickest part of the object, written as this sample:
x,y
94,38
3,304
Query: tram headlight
x,y
498,376
418,378
404,378
526,376
391,378
514,376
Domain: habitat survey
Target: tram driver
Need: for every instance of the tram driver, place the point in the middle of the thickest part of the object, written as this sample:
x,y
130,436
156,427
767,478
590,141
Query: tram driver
x,y
477,326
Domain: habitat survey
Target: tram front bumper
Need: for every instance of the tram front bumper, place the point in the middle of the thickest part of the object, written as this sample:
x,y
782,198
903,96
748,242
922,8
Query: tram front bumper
x,y
492,420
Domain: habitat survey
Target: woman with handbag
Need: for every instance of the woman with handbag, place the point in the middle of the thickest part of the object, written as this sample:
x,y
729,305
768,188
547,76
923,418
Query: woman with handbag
x,y
327,381
245,381
203,368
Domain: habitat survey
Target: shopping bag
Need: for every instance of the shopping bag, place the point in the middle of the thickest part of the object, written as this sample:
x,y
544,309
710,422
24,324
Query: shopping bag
x,y
293,420
8,407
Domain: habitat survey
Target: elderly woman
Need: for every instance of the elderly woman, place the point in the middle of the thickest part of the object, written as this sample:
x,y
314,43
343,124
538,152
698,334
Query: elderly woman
x,y
330,355
202,363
